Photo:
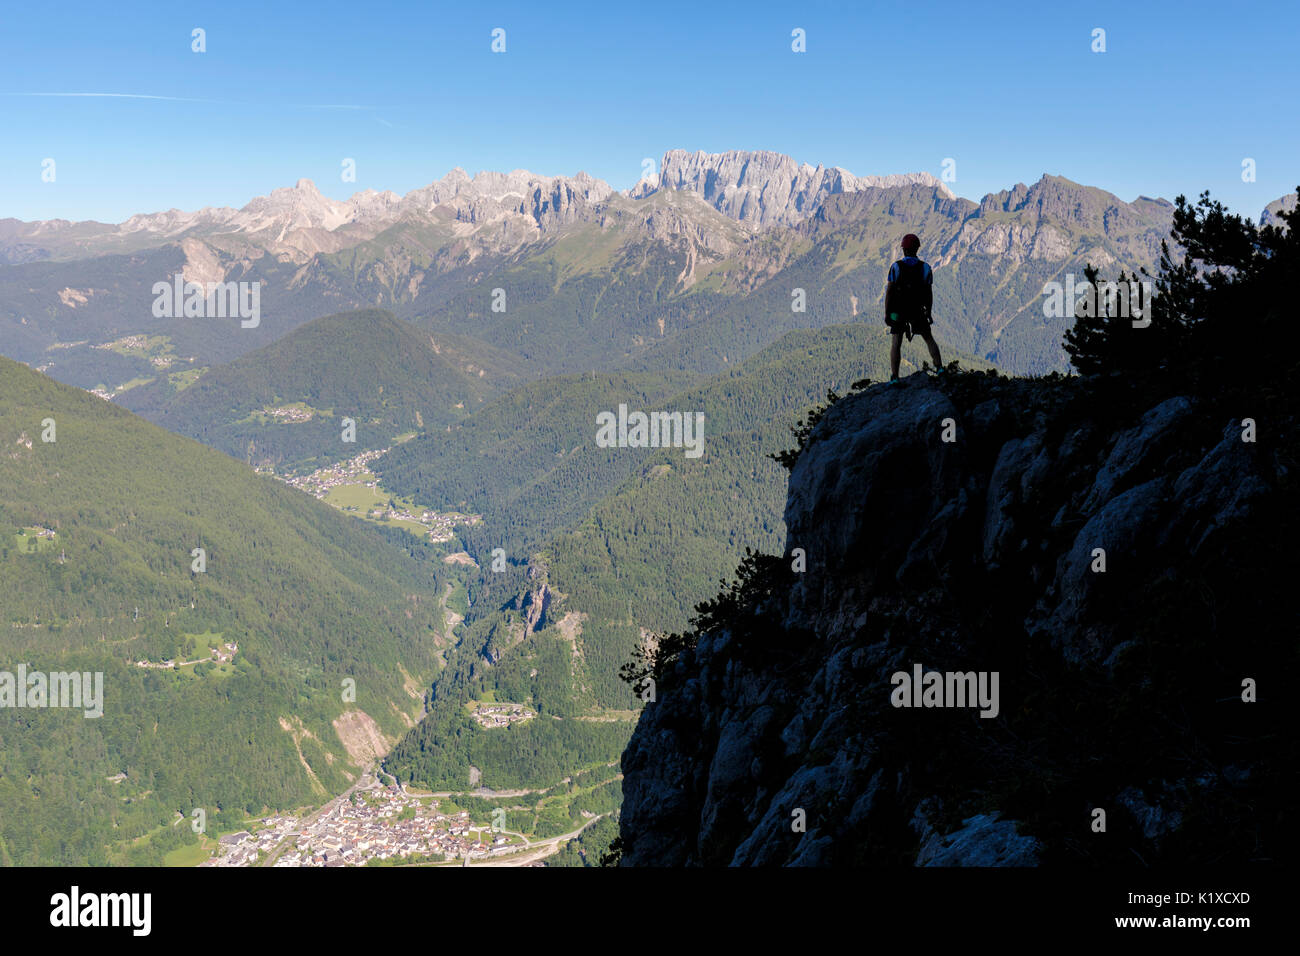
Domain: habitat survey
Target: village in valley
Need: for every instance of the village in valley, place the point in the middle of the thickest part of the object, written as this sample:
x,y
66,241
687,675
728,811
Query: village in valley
x,y
350,486
221,653
495,715
371,822
156,349
288,414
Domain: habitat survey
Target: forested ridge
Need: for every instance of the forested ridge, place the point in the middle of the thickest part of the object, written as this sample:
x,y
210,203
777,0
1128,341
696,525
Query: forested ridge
x,y
636,564
386,375
309,596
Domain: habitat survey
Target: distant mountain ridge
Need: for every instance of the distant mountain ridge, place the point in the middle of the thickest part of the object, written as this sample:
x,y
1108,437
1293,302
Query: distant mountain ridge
x,y
295,221
764,187
594,277
761,186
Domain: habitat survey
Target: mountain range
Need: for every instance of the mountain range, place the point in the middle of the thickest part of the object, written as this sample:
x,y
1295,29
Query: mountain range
x,y
709,248
471,331
299,222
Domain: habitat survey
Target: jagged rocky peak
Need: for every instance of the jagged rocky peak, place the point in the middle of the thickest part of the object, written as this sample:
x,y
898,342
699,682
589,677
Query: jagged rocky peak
x,y
548,200
303,192
301,206
515,191
1069,203
1091,566
1051,195
370,205
761,186
914,201
1055,219
175,221
1272,213
676,216
1008,200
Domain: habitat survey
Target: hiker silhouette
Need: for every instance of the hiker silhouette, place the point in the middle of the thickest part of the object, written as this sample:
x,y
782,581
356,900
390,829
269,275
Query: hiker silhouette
x,y
908,299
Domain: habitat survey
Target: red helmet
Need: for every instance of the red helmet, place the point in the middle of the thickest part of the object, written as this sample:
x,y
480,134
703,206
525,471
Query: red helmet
x,y
911,243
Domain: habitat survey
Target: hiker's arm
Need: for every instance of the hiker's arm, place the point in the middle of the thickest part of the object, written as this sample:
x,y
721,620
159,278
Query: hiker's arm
x,y
889,289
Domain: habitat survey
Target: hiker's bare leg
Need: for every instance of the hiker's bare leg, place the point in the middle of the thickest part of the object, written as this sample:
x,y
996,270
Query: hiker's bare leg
x,y
934,349
895,354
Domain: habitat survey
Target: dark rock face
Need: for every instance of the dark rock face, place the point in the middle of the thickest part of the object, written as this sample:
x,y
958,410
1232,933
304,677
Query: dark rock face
x,y
983,840
774,741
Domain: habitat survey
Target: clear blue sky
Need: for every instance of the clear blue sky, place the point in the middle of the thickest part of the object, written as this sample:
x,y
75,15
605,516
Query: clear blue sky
x,y
1011,91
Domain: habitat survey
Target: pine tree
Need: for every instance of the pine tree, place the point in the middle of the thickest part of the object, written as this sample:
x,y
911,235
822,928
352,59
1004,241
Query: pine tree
x,y
1224,289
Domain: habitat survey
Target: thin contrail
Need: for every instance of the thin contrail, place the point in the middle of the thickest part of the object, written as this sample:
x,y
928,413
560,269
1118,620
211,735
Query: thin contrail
x,y
190,99
125,96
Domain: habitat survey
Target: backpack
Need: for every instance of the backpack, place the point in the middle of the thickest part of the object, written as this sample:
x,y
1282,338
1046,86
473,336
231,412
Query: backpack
x,y
909,296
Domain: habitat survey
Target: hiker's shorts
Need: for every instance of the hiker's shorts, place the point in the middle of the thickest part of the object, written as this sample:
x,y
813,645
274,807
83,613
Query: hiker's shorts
x,y
916,327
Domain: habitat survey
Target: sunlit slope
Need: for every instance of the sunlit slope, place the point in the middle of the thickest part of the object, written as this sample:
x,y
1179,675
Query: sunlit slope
x,y
309,597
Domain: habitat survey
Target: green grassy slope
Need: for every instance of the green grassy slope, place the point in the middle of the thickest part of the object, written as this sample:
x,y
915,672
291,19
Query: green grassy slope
x,y
310,597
